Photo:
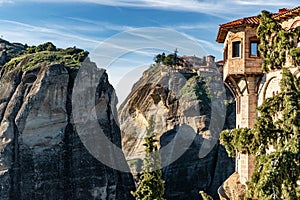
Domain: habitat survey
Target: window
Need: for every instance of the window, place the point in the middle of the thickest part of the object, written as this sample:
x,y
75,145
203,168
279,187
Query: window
x,y
253,48
236,49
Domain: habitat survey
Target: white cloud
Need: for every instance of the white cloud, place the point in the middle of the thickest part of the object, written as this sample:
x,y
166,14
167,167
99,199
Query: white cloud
x,y
212,48
206,26
210,7
276,3
6,1
99,25
33,35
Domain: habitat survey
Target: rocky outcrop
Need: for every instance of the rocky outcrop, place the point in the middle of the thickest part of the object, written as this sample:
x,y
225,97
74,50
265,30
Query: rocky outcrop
x,y
41,154
232,189
157,93
182,106
9,50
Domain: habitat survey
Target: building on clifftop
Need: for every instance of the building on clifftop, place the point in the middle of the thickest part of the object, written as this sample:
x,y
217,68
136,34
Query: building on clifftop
x,y
243,75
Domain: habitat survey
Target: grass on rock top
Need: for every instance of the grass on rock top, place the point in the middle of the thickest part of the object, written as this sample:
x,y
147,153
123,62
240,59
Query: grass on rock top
x,y
47,54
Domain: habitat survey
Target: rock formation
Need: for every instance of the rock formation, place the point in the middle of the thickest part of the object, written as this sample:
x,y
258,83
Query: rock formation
x,y
181,103
41,154
232,188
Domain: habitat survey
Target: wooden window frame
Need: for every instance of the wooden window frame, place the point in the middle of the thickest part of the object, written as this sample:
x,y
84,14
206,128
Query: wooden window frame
x,y
250,48
235,53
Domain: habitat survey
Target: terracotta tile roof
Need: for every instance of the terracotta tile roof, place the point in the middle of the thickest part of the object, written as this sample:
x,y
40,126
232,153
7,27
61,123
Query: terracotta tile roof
x,y
239,22
246,20
282,14
286,13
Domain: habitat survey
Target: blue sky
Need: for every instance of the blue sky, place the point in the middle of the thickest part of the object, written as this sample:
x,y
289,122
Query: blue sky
x,y
87,23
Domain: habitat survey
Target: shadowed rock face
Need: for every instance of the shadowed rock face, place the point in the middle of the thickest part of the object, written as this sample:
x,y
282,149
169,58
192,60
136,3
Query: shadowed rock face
x,y
180,104
189,174
9,50
41,154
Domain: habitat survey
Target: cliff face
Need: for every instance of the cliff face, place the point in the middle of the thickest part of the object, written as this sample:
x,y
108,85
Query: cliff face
x,y
41,154
181,105
9,50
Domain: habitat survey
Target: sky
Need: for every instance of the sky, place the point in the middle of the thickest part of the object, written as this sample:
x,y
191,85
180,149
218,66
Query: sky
x,y
105,26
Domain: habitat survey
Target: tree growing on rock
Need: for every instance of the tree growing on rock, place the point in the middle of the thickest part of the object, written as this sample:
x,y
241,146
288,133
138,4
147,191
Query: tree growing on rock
x,y
150,185
158,59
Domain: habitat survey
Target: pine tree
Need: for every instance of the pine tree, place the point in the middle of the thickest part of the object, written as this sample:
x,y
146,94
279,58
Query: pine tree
x,y
150,184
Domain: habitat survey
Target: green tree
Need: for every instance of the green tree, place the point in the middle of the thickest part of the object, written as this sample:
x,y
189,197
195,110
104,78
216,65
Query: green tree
x,y
169,60
275,42
158,59
277,174
150,184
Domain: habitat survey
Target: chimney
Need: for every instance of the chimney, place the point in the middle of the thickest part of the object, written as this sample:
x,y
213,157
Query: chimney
x,y
282,10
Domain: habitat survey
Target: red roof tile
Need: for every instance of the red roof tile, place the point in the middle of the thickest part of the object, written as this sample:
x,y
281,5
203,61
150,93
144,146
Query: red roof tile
x,y
251,20
224,27
286,13
246,20
283,13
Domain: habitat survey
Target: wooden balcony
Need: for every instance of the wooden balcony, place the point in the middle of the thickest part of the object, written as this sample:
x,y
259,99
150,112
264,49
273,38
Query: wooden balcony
x,y
242,66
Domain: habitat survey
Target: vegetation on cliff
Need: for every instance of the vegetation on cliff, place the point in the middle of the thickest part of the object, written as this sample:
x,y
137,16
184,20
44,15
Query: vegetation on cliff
x,y
276,43
173,59
277,172
197,88
169,60
150,184
47,54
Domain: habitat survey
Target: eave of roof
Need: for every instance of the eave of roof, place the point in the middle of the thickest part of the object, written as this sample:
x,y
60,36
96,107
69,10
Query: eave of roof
x,y
287,14
223,29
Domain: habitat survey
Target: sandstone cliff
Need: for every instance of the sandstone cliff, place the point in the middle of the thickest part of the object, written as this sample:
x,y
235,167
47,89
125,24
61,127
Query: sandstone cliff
x,y
181,103
41,154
